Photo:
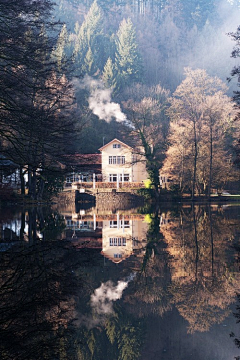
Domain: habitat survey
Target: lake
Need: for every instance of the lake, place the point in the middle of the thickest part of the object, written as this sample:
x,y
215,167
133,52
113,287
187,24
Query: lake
x,y
91,283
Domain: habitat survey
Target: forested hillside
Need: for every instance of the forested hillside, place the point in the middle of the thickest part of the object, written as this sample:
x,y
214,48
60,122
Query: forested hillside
x,y
79,73
148,42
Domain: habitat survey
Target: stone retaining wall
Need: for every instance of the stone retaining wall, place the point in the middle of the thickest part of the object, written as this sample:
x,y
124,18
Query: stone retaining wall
x,y
66,197
104,200
118,200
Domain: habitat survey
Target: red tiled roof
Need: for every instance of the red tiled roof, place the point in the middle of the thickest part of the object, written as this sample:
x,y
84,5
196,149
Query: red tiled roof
x,y
84,159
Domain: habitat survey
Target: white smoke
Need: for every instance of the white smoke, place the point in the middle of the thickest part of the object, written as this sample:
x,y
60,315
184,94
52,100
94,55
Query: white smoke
x,y
102,302
100,100
102,299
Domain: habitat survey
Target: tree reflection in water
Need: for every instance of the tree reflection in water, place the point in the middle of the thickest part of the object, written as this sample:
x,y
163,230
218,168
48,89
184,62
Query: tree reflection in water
x,y
190,265
204,277
38,288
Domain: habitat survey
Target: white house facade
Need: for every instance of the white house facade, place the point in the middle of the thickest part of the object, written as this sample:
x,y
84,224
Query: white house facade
x,y
123,236
122,163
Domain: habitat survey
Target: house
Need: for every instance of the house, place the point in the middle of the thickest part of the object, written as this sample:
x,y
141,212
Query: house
x,y
123,236
81,167
117,235
122,163
9,173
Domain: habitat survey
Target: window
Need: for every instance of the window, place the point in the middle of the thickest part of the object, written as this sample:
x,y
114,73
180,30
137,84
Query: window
x,y
125,177
112,177
119,160
113,160
125,224
121,241
135,241
117,256
116,146
114,224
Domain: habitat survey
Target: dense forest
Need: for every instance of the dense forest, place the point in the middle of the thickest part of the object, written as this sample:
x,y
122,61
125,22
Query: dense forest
x,y
160,73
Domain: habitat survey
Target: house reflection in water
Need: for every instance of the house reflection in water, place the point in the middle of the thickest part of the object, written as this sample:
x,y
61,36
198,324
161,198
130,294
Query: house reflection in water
x,y
122,236
117,235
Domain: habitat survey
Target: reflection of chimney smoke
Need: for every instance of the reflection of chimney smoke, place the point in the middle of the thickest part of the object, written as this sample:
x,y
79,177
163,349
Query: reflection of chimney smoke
x,y
103,297
101,302
100,100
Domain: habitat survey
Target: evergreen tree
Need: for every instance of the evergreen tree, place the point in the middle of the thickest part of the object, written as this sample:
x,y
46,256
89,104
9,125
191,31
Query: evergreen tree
x,y
236,74
196,12
109,74
36,107
88,64
58,53
236,70
90,36
127,59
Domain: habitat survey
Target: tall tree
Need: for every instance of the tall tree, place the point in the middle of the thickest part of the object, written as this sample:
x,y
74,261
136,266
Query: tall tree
x,y
109,74
200,114
89,42
127,58
59,51
146,111
236,74
36,99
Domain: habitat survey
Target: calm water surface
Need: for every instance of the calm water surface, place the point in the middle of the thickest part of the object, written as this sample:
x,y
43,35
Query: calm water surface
x,y
110,284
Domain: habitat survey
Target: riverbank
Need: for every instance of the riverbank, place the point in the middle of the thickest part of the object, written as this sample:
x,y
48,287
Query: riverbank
x,y
117,199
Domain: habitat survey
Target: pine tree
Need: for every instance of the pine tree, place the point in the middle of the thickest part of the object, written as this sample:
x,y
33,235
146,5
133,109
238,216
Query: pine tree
x,y
127,59
58,53
89,66
109,74
90,36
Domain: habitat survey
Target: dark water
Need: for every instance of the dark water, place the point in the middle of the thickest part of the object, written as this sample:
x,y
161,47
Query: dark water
x,y
99,284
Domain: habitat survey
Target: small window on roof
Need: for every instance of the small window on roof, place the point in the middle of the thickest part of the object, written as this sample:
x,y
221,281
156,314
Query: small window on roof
x,y
116,146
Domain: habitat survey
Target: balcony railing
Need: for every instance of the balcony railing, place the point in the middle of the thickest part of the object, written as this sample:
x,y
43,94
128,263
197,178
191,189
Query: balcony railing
x,y
109,185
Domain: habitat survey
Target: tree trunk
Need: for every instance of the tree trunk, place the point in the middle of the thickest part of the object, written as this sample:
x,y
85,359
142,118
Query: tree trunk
x,y
22,181
196,243
29,181
34,185
195,160
210,160
41,189
22,226
153,173
211,236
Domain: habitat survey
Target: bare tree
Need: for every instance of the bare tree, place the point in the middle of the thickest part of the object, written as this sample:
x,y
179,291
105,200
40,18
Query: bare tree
x,y
146,111
201,115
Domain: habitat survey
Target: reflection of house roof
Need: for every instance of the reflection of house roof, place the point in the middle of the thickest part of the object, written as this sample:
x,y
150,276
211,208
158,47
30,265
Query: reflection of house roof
x,y
87,242
116,260
6,163
114,140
